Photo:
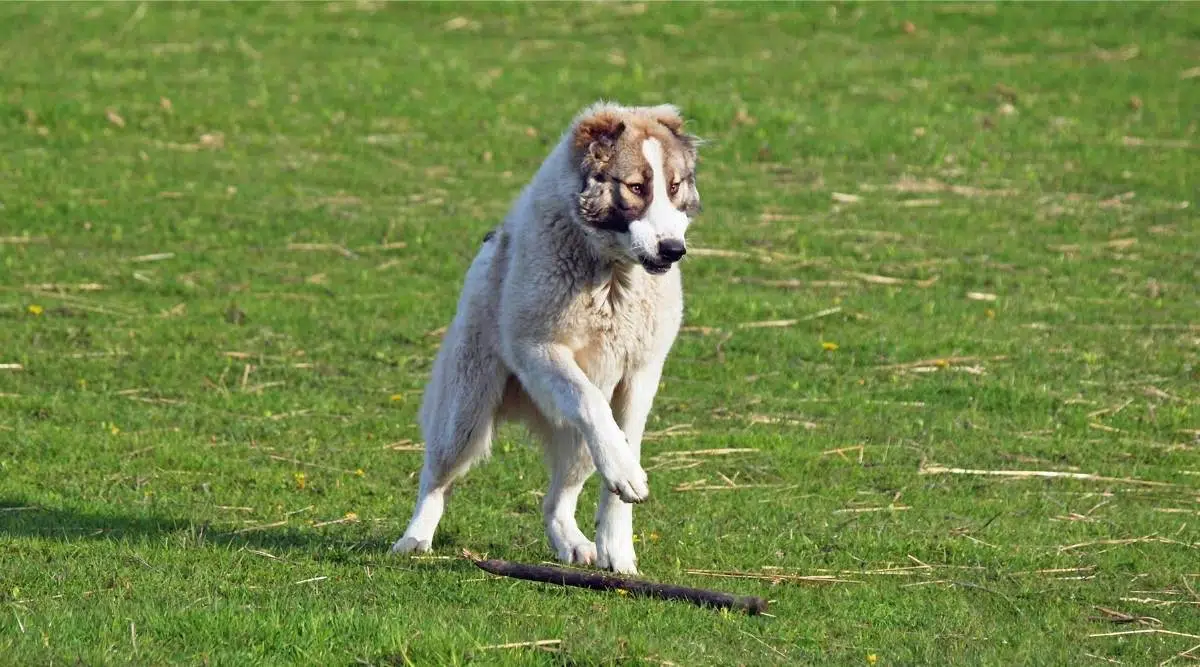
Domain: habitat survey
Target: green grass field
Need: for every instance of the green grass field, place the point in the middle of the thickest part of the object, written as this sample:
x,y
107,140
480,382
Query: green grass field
x,y
941,240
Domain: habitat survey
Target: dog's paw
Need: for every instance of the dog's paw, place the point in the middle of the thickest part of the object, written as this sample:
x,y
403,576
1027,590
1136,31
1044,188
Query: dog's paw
x,y
579,553
627,480
633,488
411,545
568,542
621,560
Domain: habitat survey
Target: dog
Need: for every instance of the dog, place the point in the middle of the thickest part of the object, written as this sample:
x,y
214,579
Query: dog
x,y
566,317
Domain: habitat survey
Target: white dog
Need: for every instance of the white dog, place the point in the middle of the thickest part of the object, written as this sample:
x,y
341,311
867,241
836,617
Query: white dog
x,y
565,320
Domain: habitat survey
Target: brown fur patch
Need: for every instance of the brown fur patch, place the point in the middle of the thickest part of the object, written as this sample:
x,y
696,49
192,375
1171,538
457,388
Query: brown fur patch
x,y
605,124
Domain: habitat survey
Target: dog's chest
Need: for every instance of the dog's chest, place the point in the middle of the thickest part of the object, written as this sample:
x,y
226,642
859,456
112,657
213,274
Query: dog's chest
x,y
612,329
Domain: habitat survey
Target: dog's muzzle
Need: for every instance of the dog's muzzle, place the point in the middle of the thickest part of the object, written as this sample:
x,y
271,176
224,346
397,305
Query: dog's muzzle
x,y
669,252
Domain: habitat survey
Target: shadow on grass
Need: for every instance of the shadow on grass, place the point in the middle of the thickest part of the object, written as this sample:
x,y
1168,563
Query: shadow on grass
x,y
23,519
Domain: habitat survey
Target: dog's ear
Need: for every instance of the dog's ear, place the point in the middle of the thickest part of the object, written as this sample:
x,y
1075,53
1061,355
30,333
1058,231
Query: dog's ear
x,y
601,128
596,138
669,116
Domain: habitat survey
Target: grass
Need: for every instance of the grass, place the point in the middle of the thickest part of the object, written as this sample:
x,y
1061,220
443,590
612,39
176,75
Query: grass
x,y
228,234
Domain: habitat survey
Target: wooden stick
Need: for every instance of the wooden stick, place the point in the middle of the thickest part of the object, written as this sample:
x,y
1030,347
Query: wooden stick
x,y
608,582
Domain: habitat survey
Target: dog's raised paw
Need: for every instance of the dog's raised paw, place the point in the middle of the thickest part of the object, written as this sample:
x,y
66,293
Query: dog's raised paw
x,y
411,545
634,489
624,477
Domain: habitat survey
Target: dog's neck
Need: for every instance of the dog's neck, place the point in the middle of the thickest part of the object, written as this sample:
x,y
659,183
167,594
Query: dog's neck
x,y
615,284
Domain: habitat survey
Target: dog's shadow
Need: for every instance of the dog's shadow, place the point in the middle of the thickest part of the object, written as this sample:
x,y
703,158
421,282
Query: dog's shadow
x,y
23,519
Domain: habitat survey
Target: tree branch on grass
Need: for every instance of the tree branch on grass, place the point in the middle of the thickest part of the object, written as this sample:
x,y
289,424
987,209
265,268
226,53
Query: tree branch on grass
x,y
608,582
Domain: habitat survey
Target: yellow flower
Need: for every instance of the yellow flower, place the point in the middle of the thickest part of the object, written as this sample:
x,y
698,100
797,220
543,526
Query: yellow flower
x,y
991,314
828,346
35,309
872,658
397,397
299,477
351,516
112,428
360,473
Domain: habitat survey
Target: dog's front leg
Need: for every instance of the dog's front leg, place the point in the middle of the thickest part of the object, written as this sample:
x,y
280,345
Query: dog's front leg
x,y
614,519
564,394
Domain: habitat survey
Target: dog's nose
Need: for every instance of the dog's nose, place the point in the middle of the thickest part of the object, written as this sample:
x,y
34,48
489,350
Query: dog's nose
x,y
671,250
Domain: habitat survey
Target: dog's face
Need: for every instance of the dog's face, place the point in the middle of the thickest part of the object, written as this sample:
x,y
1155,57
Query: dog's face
x,y
638,192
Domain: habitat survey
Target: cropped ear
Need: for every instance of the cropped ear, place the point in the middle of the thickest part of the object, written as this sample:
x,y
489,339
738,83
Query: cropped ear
x,y
602,127
669,116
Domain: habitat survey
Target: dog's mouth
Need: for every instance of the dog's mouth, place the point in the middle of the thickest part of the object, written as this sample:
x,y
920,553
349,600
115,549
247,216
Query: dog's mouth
x,y
655,267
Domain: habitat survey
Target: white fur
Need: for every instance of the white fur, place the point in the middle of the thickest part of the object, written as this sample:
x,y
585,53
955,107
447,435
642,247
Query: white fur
x,y
560,330
662,220
667,221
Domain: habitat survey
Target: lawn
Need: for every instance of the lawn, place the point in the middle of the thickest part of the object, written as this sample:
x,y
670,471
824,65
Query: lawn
x,y
946,251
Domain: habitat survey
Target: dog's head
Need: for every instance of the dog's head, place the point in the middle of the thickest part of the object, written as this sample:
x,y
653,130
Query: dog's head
x,y
637,171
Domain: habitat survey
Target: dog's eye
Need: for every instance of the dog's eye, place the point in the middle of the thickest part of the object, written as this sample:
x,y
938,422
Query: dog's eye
x,y
636,188
673,188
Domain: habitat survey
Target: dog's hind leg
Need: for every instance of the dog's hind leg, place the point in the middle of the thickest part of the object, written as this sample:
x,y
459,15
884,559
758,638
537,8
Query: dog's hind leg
x,y
457,418
431,502
570,465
